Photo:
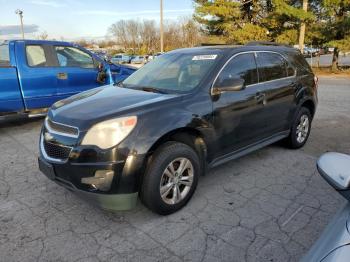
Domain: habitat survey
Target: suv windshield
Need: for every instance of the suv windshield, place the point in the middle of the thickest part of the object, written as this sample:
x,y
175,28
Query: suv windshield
x,y
172,73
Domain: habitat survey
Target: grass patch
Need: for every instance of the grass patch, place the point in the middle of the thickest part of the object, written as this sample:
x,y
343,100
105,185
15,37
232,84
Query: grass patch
x,y
327,71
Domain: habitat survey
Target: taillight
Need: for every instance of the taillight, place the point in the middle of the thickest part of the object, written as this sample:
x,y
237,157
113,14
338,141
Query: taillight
x,y
316,82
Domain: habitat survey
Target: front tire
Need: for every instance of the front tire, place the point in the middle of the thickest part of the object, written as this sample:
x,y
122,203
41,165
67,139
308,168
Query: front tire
x,y
300,130
171,178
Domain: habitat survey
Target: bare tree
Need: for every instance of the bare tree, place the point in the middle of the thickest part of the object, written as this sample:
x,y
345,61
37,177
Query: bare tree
x,y
143,36
43,35
118,30
133,32
149,34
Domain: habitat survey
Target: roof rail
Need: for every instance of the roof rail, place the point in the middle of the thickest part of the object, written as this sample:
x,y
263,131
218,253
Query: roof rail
x,y
211,44
255,43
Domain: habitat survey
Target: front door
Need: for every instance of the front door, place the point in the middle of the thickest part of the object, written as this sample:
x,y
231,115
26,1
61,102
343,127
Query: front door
x,y
77,70
238,114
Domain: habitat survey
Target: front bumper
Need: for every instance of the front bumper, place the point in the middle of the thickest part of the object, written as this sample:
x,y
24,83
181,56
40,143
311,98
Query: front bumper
x,y
78,169
108,201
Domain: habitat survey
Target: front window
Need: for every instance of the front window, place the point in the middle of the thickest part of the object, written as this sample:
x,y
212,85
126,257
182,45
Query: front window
x,y
73,57
172,73
242,66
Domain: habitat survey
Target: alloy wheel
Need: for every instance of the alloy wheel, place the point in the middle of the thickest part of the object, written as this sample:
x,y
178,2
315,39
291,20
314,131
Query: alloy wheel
x,y
176,181
303,129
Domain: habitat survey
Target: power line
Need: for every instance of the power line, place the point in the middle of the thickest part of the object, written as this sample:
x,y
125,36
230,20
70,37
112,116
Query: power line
x,y
161,28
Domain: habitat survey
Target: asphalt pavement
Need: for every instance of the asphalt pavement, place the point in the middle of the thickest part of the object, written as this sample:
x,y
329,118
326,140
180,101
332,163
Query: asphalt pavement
x,y
270,205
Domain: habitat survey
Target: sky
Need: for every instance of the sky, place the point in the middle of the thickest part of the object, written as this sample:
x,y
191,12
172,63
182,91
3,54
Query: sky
x,y
76,19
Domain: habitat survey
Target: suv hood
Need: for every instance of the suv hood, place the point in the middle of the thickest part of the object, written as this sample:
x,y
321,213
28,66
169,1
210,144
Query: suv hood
x,y
99,104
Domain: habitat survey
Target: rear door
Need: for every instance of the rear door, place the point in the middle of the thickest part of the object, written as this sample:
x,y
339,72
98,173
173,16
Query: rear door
x,y
277,82
36,73
10,93
78,71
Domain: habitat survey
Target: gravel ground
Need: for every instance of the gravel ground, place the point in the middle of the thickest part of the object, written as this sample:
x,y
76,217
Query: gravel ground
x,y
270,205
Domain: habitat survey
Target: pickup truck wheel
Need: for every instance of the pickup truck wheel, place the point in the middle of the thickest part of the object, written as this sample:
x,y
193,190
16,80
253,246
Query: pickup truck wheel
x,y
300,130
171,178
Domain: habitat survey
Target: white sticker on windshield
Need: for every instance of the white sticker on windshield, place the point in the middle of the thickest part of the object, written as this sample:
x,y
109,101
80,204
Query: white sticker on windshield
x,y
204,57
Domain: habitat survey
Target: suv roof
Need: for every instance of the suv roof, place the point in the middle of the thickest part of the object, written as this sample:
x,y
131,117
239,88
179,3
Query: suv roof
x,y
231,49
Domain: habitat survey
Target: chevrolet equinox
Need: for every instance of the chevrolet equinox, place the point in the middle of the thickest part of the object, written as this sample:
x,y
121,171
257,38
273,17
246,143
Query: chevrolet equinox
x,y
153,135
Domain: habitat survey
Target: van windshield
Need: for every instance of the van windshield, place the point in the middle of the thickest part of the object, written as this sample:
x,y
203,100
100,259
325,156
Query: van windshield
x,y
4,55
178,73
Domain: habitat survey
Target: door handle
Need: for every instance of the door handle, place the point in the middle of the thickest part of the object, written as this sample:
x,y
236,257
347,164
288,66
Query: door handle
x,y
260,96
62,76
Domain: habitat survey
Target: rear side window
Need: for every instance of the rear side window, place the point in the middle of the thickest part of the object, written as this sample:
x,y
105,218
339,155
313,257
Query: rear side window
x,y
303,68
242,66
73,57
4,55
271,66
36,56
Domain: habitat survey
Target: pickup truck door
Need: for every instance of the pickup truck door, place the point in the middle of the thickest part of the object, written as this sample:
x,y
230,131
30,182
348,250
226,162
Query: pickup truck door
x,y
10,93
36,74
77,70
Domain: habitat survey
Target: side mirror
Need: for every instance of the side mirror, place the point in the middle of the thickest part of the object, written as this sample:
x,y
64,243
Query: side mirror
x,y
101,75
229,85
335,169
100,67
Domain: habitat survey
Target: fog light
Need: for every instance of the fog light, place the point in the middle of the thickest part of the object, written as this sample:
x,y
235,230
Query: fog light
x,y
101,181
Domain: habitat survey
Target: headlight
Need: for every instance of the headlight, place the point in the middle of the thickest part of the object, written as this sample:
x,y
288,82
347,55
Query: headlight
x,y
110,133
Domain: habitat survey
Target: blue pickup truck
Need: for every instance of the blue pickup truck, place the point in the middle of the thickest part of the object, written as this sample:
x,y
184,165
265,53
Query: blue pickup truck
x,y
34,74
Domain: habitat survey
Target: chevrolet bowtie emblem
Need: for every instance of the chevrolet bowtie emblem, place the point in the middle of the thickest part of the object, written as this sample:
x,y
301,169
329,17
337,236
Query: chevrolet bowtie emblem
x,y
48,137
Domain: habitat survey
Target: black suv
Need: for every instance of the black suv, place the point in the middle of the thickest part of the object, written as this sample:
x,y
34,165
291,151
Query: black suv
x,y
155,133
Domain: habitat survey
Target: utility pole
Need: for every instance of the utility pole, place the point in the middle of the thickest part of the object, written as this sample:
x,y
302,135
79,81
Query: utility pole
x,y
302,29
161,27
20,13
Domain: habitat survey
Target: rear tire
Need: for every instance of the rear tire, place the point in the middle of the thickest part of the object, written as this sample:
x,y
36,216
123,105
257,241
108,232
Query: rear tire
x,y
171,178
300,130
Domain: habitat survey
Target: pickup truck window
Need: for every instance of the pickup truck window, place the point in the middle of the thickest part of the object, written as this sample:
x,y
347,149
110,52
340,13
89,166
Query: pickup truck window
x,y
4,55
35,55
73,57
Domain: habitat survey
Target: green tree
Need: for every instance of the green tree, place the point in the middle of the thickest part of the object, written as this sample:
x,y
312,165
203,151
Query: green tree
x,y
218,17
250,20
337,27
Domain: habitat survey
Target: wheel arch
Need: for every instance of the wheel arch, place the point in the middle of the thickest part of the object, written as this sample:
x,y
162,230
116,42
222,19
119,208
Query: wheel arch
x,y
187,135
310,105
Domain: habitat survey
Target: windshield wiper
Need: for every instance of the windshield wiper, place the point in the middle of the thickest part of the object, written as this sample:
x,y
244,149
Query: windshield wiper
x,y
144,88
152,89
119,84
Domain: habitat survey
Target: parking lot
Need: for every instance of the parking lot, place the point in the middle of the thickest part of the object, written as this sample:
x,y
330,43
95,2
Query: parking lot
x,y
326,60
270,205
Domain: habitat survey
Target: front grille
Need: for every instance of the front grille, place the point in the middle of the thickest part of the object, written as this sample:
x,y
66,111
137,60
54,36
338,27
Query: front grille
x,y
58,128
57,152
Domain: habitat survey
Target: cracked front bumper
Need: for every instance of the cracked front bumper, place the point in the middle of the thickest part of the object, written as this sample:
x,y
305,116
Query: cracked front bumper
x,y
108,201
